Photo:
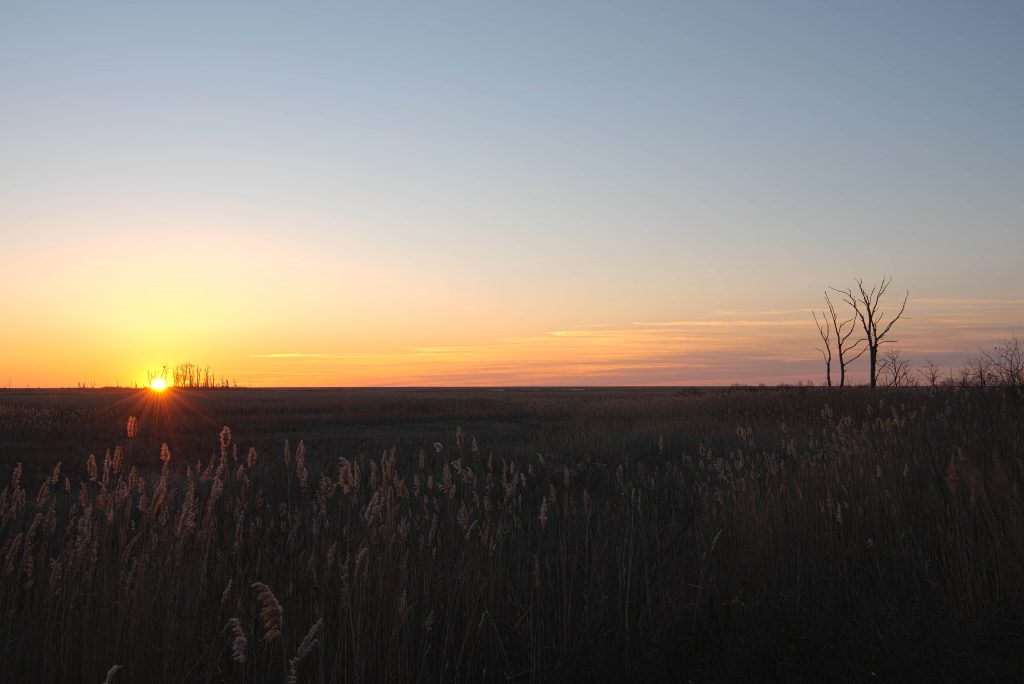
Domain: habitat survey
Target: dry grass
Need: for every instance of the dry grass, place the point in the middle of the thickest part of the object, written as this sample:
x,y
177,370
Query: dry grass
x,y
807,536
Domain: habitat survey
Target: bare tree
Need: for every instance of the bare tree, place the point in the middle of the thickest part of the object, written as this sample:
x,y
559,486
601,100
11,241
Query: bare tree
x,y
894,368
847,352
190,375
1006,363
154,375
867,306
826,347
977,372
930,372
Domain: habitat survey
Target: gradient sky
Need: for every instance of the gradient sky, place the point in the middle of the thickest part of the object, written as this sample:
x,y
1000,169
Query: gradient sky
x,y
500,192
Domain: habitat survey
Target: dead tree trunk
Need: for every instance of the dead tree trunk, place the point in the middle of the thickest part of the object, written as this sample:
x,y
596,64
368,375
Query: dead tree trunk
x,y
826,347
866,305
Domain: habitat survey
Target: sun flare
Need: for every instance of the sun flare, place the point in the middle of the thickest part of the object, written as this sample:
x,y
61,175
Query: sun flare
x,y
158,385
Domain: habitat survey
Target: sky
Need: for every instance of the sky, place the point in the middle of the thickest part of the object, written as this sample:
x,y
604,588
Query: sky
x,y
501,193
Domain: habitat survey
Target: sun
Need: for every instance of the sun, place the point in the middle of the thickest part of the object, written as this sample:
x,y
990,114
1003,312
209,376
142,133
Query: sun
x,y
158,385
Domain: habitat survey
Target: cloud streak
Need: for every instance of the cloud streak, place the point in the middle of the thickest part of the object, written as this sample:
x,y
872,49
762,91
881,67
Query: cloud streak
x,y
774,347
288,356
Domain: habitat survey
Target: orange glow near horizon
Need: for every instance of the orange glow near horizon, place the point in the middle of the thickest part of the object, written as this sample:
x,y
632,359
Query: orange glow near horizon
x,y
336,322
719,348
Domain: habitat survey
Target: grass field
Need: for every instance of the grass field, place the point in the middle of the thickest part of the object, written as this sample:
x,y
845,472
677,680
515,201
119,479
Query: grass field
x,y
793,534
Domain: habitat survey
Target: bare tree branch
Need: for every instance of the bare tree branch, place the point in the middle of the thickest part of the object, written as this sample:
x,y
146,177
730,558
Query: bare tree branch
x,y
867,308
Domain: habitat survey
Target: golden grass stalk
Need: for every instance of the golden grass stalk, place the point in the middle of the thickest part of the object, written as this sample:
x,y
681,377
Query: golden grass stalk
x,y
110,674
271,613
225,438
309,642
239,643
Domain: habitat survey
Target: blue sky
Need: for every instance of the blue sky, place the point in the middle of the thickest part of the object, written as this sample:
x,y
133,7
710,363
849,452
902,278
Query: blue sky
x,y
439,174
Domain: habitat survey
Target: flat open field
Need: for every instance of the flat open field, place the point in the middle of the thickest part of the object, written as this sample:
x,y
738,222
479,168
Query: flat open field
x,y
795,534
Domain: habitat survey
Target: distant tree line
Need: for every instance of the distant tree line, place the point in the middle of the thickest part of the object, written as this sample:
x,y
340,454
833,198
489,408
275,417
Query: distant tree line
x,y
1001,367
1004,365
190,376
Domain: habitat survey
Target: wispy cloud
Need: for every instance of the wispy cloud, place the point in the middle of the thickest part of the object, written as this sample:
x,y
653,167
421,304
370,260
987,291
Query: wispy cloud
x,y
734,313
967,303
293,355
725,323
285,356
776,346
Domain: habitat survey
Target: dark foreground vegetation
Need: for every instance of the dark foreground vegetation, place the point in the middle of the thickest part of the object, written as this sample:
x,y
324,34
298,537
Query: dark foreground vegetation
x,y
654,535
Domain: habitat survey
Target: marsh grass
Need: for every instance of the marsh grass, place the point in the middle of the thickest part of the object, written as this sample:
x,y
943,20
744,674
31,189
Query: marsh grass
x,y
795,535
